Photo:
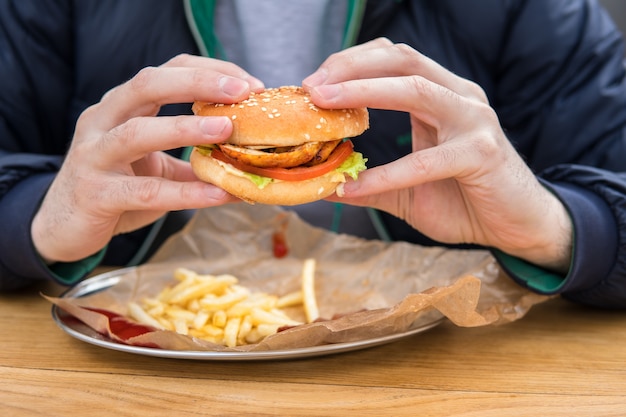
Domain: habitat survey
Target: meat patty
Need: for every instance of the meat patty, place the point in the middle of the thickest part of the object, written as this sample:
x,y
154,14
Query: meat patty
x,y
310,153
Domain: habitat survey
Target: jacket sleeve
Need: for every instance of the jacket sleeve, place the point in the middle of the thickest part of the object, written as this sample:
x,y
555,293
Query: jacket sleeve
x,y
569,121
35,45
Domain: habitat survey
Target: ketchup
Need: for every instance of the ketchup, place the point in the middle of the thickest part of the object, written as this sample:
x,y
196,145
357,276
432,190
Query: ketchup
x,y
279,244
123,328
279,240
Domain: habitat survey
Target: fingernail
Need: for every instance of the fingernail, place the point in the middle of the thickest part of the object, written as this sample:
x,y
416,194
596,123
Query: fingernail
x,y
340,191
213,126
328,92
215,193
346,188
256,84
317,78
233,87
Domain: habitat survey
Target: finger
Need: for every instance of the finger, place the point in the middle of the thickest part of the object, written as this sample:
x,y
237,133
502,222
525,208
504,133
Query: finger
x,y
160,164
429,102
339,59
458,160
382,59
139,136
153,87
224,67
159,194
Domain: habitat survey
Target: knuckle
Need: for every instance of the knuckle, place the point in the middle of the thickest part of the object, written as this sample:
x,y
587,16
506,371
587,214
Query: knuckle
x,y
200,76
418,85
487,141
335,57
419,166
174,128
146,192
475,91
487,115
404,50
142,79
84,119
382,42
121,136
188,192
384,178
178,60
181,127
412,60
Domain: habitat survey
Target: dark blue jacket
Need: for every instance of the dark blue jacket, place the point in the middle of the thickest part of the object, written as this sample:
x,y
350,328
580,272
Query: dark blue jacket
x,y
552,69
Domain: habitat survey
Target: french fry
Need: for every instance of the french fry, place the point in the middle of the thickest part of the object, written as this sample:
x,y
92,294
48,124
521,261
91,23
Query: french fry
x,y
139,314
260,316
201,319
244,328
219,319
290,300
231,331
212,302
199,289
217,309
253,336
265,329
180,326
308,291
213,331
178,313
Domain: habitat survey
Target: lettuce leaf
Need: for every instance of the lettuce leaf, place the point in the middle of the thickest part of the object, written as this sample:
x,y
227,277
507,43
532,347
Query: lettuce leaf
x,y
354,164
259,180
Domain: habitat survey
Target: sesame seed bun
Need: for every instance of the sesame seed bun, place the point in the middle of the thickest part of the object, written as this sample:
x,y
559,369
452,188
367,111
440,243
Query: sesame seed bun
x,y
278,118
285,116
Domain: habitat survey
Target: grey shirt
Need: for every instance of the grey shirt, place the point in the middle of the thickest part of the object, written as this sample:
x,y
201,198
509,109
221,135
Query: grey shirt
x,y
281,42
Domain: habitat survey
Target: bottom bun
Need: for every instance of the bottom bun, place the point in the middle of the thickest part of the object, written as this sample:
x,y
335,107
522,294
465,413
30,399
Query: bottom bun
x,y
284,193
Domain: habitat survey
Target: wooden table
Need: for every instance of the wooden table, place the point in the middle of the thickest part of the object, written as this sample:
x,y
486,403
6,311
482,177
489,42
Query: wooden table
x,y
559,360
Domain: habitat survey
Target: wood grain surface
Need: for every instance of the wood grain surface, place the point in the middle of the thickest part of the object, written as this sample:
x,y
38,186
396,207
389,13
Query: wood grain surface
x,y
560,360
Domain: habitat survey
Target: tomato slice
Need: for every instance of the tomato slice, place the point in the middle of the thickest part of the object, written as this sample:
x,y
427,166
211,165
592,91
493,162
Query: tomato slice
x,y
335,159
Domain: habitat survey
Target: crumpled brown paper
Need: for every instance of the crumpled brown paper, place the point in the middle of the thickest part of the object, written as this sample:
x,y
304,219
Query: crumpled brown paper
x,y
376,288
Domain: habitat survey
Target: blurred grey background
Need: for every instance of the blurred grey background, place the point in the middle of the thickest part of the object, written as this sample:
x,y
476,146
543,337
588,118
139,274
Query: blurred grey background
x,y
617,8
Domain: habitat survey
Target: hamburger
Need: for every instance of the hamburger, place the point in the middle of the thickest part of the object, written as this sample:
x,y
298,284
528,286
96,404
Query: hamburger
x,y
283,150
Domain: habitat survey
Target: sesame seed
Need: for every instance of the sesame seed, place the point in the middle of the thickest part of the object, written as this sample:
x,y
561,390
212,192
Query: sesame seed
x,y
318,126
264,108
234,116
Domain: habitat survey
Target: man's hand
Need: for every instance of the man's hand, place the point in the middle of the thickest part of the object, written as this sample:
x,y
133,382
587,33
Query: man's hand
x,y
464,182
115,177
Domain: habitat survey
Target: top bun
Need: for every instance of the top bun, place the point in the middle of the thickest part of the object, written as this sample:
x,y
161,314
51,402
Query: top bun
x,y
285,116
